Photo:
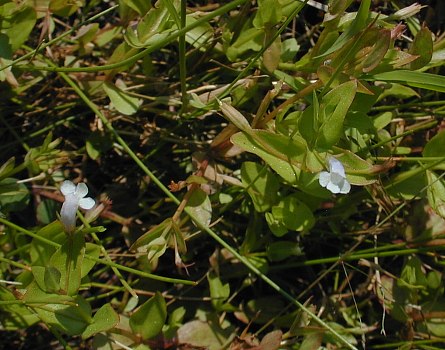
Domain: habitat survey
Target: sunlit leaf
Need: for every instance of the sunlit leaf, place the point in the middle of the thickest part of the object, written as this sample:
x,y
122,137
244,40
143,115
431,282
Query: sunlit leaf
x,y
123,102
416,79
199,204
104,319
268,14
70,315
219,292
262,185
435,146
423,47
436,193
150,317
68,260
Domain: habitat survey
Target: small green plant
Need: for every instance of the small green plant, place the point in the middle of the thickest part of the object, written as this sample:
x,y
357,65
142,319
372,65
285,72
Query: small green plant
x,y
259,176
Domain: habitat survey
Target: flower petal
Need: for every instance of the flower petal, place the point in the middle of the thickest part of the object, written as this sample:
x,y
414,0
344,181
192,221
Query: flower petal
x,y
346,187
335,166
334,188
81,190
68,212
86,203
324,178
67,187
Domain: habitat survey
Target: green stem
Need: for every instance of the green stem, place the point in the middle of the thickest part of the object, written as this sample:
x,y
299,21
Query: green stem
x,y
14,263
98,260
182,58
108,259
160,44
203,227
353,257
422,126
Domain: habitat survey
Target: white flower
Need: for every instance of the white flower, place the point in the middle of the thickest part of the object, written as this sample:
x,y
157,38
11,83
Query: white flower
x,y
335,180
73,200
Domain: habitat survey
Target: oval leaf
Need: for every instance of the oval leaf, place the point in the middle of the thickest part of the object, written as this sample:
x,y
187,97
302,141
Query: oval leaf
x,y
200,206
149,319
124,103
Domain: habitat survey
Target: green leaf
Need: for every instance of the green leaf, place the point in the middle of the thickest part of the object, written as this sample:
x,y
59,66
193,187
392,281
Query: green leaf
x,y
92,250
272,55
64,8
312,341
104,319
249,39
140,6
41,252
46,211
289,49
278,251
286,156
262,185
276,225
435,146
278,149
15,316
205,334
155,249
154,26
150,317
421,80
123,103
68,260
268,14
174,322
52,279
18,25
408,184
309,123
359,171
67,314
98,143
122,52
423,47
200,36
7,167
412,275
47,278
359,23
322,125
235,117
219,293
155,232
268,305
379,50
13,196
199,204
293,214
435,325
436,193
106,35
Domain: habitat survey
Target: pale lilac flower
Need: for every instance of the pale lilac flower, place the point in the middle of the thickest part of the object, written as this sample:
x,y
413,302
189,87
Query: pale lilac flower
x,y
335,180
74,198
